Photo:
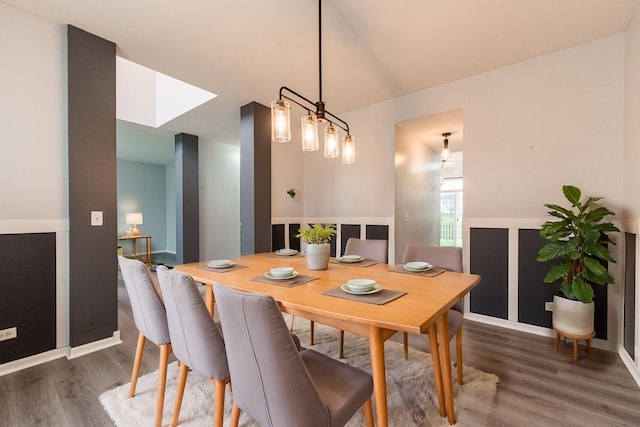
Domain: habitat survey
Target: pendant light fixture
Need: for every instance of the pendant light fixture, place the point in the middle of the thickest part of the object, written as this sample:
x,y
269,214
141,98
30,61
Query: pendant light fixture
x,y
445,148
316,113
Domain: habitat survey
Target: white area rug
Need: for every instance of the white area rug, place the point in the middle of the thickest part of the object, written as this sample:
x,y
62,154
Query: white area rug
x,y
412,397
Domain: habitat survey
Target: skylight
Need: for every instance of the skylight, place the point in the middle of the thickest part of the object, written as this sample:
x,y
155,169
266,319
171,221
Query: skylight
x,y
150,98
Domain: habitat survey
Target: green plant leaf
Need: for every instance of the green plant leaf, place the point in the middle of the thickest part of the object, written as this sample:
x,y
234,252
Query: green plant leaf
x,y
596,215
551,251
557,272
600,273
572,194
582,290
598,251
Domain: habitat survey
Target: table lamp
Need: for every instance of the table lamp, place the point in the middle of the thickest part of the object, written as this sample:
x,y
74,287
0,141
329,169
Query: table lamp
x,y
134,219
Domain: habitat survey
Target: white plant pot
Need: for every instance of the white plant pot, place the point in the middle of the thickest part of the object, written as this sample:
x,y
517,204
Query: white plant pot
x,y
572,317
317,255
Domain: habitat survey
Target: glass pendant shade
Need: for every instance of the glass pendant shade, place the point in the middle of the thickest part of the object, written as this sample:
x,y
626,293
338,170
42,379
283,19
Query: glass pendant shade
x,y
331,142
280,121
445,153
348,150
309,133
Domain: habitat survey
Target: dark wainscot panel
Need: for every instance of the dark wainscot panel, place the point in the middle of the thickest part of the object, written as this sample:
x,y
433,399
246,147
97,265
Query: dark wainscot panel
x,y
28,293
630,294
489,256
532,291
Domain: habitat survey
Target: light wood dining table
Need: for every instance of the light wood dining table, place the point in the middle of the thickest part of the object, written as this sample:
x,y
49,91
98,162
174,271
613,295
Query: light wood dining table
x,y
423,309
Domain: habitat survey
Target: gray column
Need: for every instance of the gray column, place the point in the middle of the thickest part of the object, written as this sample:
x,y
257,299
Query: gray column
x,y
187,199
255,178
93,269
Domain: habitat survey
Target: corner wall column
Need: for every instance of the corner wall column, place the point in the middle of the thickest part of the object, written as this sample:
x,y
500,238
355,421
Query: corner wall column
x,y
93,268
187,199
255,178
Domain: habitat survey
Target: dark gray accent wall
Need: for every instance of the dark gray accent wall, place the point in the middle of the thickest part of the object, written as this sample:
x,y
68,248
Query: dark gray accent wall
x,y
630,294
532,291
489,256
28,294
187,199
294,242
92,187
255,178
348,231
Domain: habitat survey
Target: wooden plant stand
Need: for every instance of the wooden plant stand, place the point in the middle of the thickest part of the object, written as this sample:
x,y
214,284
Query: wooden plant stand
x,y
575,338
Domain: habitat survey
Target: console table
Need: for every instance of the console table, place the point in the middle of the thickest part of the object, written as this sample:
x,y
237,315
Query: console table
x,y
146,257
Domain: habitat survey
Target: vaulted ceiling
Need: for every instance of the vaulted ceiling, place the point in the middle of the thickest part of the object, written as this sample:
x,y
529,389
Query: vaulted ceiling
x,y
373,50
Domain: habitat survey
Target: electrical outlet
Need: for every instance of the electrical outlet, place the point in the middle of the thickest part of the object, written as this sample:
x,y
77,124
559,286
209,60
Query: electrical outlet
x,y
548,306
9,333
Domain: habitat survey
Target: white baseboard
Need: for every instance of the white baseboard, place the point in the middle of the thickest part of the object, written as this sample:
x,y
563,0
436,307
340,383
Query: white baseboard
x,y
630,364
28,362
81,350
536,330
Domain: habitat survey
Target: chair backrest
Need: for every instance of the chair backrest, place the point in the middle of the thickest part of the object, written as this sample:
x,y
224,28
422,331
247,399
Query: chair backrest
x,y
270,381
195,339
375,250
445,257
146,300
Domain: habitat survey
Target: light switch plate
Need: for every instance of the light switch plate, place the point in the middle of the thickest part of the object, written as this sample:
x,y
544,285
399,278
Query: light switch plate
x,y
96,218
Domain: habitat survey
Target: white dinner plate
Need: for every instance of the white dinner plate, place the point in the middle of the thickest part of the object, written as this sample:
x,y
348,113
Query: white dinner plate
x,y
350,258
220,263
286,252
376,288
417,270
268,275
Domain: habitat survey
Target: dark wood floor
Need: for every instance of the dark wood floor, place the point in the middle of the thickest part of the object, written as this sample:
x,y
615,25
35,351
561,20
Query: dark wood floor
x,y
538,387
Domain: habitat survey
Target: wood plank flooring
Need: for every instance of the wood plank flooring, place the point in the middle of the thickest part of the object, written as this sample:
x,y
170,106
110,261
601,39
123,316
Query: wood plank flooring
x,y
538,386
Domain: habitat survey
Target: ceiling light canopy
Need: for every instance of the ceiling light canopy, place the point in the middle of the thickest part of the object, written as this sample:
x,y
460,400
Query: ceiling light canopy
x,y
316,113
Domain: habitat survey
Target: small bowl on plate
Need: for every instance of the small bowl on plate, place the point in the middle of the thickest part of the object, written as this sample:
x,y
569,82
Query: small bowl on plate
x,y
361,285
281,271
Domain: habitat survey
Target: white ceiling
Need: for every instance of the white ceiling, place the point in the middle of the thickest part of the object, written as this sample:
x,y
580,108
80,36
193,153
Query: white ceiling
x,y
373,50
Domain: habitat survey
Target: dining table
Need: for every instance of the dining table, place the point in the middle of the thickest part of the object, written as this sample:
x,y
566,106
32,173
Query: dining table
x,y
417,303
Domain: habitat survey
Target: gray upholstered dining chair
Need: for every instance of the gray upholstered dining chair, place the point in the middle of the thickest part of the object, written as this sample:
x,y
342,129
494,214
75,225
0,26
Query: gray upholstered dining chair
x,y
151,320
447,258
371,249
196,341
275,384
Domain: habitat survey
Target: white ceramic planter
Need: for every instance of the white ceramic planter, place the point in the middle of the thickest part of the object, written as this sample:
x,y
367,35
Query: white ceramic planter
x,y
317,255
572,317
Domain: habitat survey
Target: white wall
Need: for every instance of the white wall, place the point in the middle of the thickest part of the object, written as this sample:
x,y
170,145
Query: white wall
x,y
219,175
33,114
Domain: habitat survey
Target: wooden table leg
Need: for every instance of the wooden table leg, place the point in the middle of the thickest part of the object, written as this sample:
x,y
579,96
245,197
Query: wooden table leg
x,y
208,298
437,371
445,363
376,347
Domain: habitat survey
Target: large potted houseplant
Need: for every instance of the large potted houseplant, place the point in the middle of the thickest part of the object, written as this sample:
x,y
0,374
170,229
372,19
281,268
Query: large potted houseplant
x,y
579,243
318,249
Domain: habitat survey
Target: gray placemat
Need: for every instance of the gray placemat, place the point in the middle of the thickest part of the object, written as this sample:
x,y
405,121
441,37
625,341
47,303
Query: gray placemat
x,y
289,283
363,263
429,273
379,298
223,270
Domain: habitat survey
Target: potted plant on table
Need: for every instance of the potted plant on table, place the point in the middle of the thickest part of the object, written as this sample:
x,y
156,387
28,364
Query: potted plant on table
x,y
579,241
318,250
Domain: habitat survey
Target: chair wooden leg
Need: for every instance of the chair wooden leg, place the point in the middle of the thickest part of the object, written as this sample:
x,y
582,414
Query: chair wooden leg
x,y
367,408
218,403
341,351
405,341
182,380
459,355
311,332
293,319
165,349
235,415
136,364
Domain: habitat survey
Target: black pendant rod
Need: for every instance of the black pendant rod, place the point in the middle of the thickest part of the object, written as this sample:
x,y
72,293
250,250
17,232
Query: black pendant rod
x,y
320,49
